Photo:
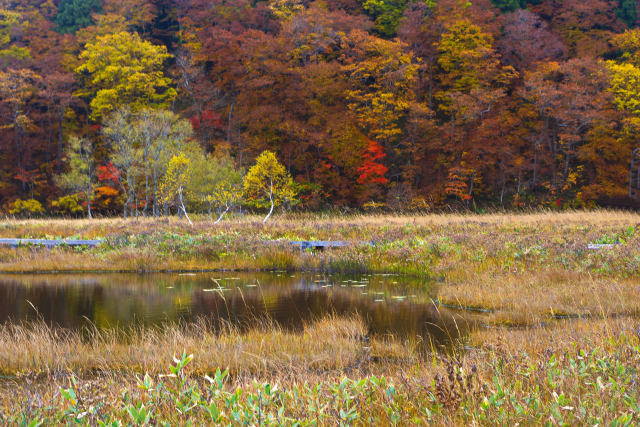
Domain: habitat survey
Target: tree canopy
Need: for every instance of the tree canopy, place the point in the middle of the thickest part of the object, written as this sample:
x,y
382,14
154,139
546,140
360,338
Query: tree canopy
x,y
390,103
75,14
121,69
268,184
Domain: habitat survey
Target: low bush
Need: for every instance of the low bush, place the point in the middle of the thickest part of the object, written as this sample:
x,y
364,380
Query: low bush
x,y
68,206
30,208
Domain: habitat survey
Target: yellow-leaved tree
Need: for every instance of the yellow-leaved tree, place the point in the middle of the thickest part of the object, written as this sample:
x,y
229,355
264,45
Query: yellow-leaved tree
x,y
625,81
268,184
121,69
625,75
217,184
383,87
173,184
11,23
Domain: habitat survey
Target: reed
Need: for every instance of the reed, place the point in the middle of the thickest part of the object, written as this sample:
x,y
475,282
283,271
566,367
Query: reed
x,y
571,372
327,345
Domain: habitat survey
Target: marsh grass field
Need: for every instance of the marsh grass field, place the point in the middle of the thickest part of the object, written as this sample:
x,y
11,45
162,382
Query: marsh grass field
x,y
551,333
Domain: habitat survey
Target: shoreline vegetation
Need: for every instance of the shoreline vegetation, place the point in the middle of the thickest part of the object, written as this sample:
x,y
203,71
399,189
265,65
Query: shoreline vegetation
x,y
573,372
516,269
420,245
555,337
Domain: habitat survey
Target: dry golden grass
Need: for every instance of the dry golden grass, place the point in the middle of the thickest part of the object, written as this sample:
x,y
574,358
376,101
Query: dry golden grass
x,y
328,348
554,337
440,245
328,345
581,371
533,297
324,225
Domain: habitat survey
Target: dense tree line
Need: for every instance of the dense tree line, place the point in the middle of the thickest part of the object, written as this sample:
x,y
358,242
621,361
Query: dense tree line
x,y
104,104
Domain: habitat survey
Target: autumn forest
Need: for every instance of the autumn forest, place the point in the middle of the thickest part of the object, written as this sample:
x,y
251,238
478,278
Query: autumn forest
x,y
150,106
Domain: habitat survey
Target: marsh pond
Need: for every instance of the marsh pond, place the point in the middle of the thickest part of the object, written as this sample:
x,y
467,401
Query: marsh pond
x,y
389,304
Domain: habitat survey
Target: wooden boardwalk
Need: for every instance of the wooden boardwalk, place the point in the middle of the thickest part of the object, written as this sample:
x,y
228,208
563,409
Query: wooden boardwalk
x,y
596,246
48,243
323,244
303,245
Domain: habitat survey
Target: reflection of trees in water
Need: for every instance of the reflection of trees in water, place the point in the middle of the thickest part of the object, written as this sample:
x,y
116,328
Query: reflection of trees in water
x,y
123,300
56,305
75,303
293,308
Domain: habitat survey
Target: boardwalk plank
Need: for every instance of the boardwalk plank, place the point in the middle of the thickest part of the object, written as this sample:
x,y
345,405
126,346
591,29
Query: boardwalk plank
x,y
49,243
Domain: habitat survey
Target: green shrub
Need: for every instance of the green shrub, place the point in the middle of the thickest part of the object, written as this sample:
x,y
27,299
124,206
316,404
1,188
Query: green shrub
x,y
27,208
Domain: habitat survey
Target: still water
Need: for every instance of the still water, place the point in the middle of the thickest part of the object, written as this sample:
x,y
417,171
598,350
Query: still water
x,y
389,304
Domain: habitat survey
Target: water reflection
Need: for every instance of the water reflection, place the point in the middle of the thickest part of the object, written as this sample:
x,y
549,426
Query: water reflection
x,y
390,304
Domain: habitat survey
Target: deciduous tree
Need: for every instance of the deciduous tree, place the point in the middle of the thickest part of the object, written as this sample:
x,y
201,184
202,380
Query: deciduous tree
x,y
12,25
216,182
268,184
527,40
81,175
570,98
160,135
123,70
473,82
126,155
16,89
173,184
386,14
